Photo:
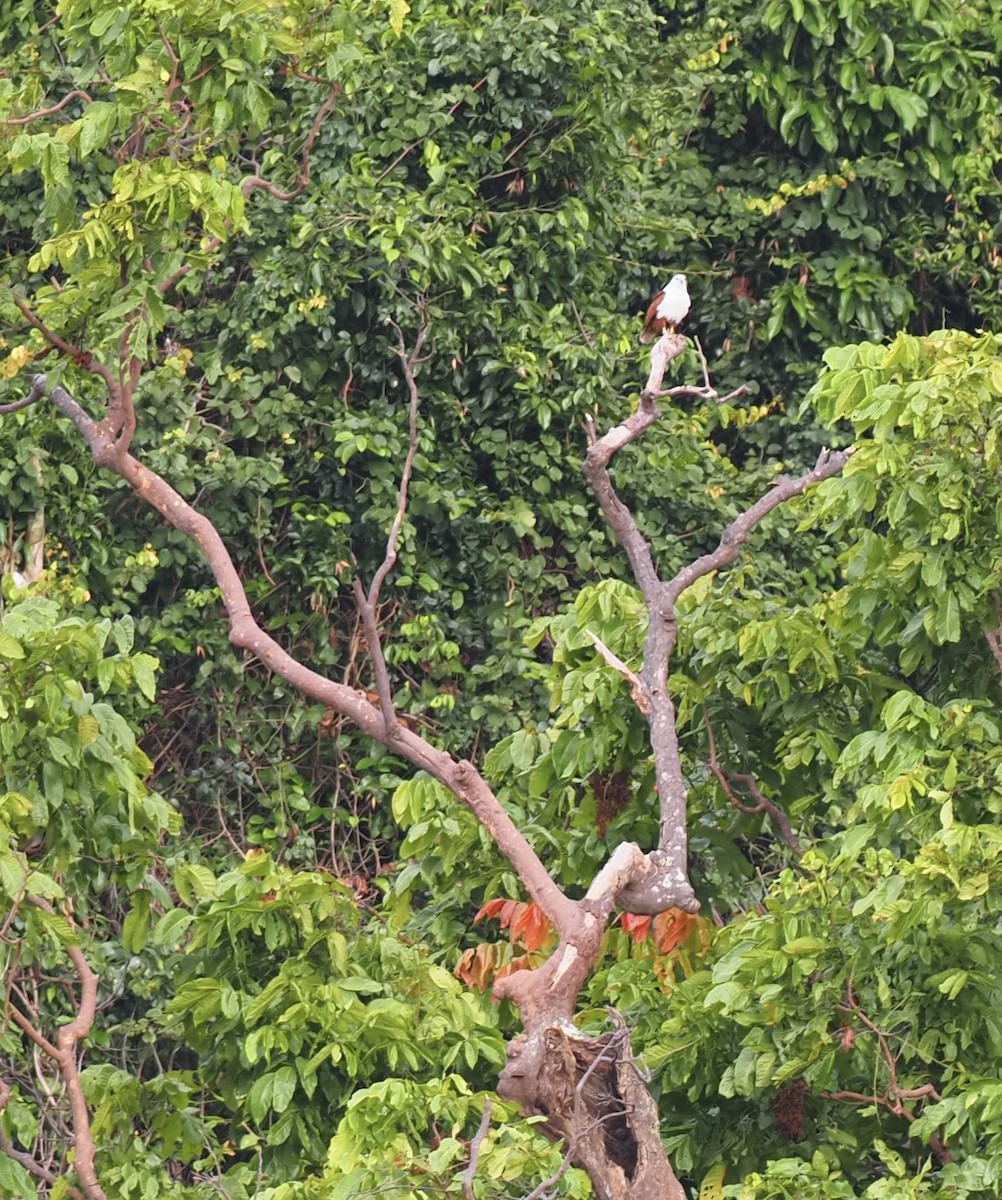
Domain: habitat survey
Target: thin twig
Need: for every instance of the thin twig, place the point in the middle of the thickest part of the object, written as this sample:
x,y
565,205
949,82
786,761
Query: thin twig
x,y
38,387
48,112
450,112
702,393
80,357
637,690
257,182
893,1096
702,359
475,1144
303,178
577,317
762,803
368,602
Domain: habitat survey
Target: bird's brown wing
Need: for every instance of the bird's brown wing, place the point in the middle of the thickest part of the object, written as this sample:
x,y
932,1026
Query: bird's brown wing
x,y
651,319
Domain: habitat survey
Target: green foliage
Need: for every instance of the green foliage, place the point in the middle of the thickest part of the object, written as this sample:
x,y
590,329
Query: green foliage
x,y
239,1009
72,771
847,155
929,466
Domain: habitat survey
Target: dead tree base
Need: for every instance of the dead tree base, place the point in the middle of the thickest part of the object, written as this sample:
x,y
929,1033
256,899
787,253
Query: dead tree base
x,y
596,1102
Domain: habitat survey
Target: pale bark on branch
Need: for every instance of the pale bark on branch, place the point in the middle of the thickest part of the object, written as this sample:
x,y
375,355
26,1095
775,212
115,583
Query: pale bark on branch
x,y
665,883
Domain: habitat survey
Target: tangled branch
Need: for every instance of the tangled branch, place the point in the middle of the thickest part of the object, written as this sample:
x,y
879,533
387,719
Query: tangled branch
x,y
893,1096
63,1054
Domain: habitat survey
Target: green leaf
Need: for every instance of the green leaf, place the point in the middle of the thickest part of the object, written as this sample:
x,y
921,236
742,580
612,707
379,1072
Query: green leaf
x,y
946,618
10,647
398,11
136,926
13,874
171,927
909,107
96,127
144,668
283,1088
40,884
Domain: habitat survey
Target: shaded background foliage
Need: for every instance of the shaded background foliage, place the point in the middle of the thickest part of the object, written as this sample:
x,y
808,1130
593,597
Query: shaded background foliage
x,y
522,177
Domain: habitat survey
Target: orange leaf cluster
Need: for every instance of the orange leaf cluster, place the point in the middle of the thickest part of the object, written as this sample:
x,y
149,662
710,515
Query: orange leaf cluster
x,y
528,928
526,923
671,928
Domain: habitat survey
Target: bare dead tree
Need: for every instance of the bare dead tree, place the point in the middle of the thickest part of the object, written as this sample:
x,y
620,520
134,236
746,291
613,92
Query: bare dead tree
x,y
591,1093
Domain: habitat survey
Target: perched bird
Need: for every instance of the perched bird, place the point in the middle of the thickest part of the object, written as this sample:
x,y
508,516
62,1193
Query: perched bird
x,y
667,309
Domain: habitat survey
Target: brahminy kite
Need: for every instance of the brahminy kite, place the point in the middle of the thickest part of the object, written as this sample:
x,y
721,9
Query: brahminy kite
x,y
667,309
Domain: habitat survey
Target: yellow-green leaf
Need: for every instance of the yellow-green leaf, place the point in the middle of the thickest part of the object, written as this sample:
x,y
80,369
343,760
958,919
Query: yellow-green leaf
x,y
398,11
713,1182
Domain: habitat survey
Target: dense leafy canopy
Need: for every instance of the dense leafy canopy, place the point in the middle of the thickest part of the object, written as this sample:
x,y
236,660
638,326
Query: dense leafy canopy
x,y
276,914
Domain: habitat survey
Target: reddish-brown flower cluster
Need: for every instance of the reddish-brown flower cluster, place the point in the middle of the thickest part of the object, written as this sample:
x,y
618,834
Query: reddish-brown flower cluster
x,y
788,1109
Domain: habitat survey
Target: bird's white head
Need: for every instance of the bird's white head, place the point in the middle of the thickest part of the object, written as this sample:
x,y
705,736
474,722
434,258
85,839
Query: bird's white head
x,y
676,281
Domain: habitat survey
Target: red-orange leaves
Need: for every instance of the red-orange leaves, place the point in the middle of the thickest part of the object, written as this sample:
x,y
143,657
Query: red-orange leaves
x,y
672,928
679,938
528,929
637,927
526,923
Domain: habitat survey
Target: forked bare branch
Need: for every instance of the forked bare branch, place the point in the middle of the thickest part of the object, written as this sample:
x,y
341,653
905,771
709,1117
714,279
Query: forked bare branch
x,y
666,883
459,776
63,1054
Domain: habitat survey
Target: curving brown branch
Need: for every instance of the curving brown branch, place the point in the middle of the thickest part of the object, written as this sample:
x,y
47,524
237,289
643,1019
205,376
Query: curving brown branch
x,y
78,356
48,112
37,393
545,996
727,780
253,182
893,1095
257,182
460,777
63,1054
